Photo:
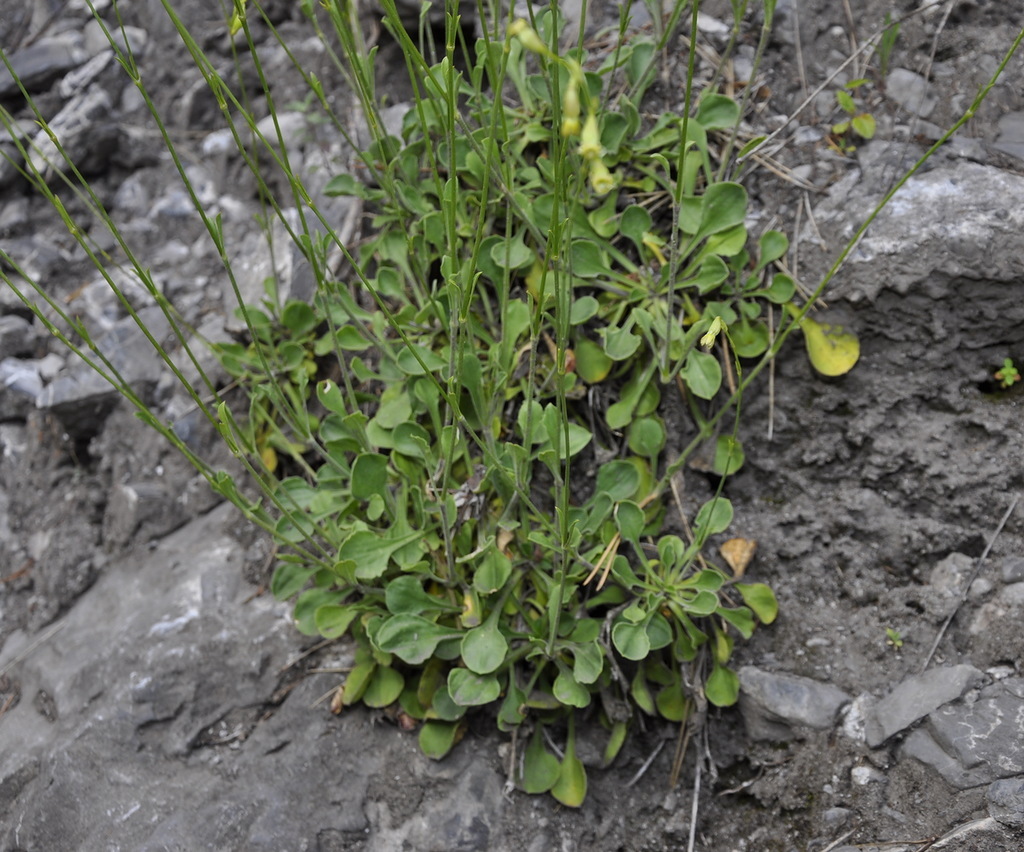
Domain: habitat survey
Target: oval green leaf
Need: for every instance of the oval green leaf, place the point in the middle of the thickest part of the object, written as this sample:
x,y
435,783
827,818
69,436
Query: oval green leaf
x,y
469,690
484,649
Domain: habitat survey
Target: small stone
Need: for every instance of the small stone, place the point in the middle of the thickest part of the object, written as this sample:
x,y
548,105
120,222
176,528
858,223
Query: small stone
x,y
915,698
773,704
39,64
1006,801
864,775
911,91
17,336
1011,134
951,573
1012,569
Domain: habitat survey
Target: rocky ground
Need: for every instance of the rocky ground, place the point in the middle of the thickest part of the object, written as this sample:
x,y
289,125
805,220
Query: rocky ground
x,y
152,697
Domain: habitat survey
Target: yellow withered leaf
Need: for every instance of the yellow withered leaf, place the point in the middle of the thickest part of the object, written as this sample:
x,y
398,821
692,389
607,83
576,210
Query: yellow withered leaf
x,y
737,552
832,350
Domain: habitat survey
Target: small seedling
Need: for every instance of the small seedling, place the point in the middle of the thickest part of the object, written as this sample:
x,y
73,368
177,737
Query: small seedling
x,y
1008,375
893,638
858,123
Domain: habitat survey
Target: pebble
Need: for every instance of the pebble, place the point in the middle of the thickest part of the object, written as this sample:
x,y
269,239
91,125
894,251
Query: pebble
x,y
911,91
915,698
1006,801
774,704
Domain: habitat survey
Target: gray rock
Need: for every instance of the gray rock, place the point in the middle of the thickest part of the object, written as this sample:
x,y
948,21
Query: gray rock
x,y
86,134
1012,569
915,698
172,656
81,396
911,91
950,576
17,337
970,208
773,705
1006,801
988,734
921,746
39,64
1011,134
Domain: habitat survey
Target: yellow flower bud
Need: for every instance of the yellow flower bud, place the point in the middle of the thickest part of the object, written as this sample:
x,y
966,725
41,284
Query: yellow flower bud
x,y
521,29
571,100
708,340
570,126
601,180
590,144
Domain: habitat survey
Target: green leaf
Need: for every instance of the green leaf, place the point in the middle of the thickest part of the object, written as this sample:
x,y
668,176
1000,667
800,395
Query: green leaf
x,y
761,599
640,692
469,690
289,579
332,620
739,617
411,638
571,787
833,351
845,102
344,185
514,254
636,222
781,289
357,681
729,456
408,364
484,648
750,339
772,246
750,146
494,571
672,703
437,738
384,688
592,364
723,206
618,479
647,436
629,518
714,516
307,605
540,767
583,309
718,112
586,259
568,691
588,662
659,631
371,553
722,687
702,374
863,125
620,343
631,640
615,742
405,596
369,475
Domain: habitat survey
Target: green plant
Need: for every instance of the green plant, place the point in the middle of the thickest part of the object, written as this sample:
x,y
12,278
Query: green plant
x,y
859,123
1007,375
893,638
543,264
886,43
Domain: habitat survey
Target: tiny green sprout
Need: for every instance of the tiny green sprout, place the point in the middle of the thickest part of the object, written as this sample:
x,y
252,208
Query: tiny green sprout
x,y
893,638
1008,375
859,123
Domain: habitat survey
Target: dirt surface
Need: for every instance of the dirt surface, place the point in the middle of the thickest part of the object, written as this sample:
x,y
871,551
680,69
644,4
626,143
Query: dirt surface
x,y
871,501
